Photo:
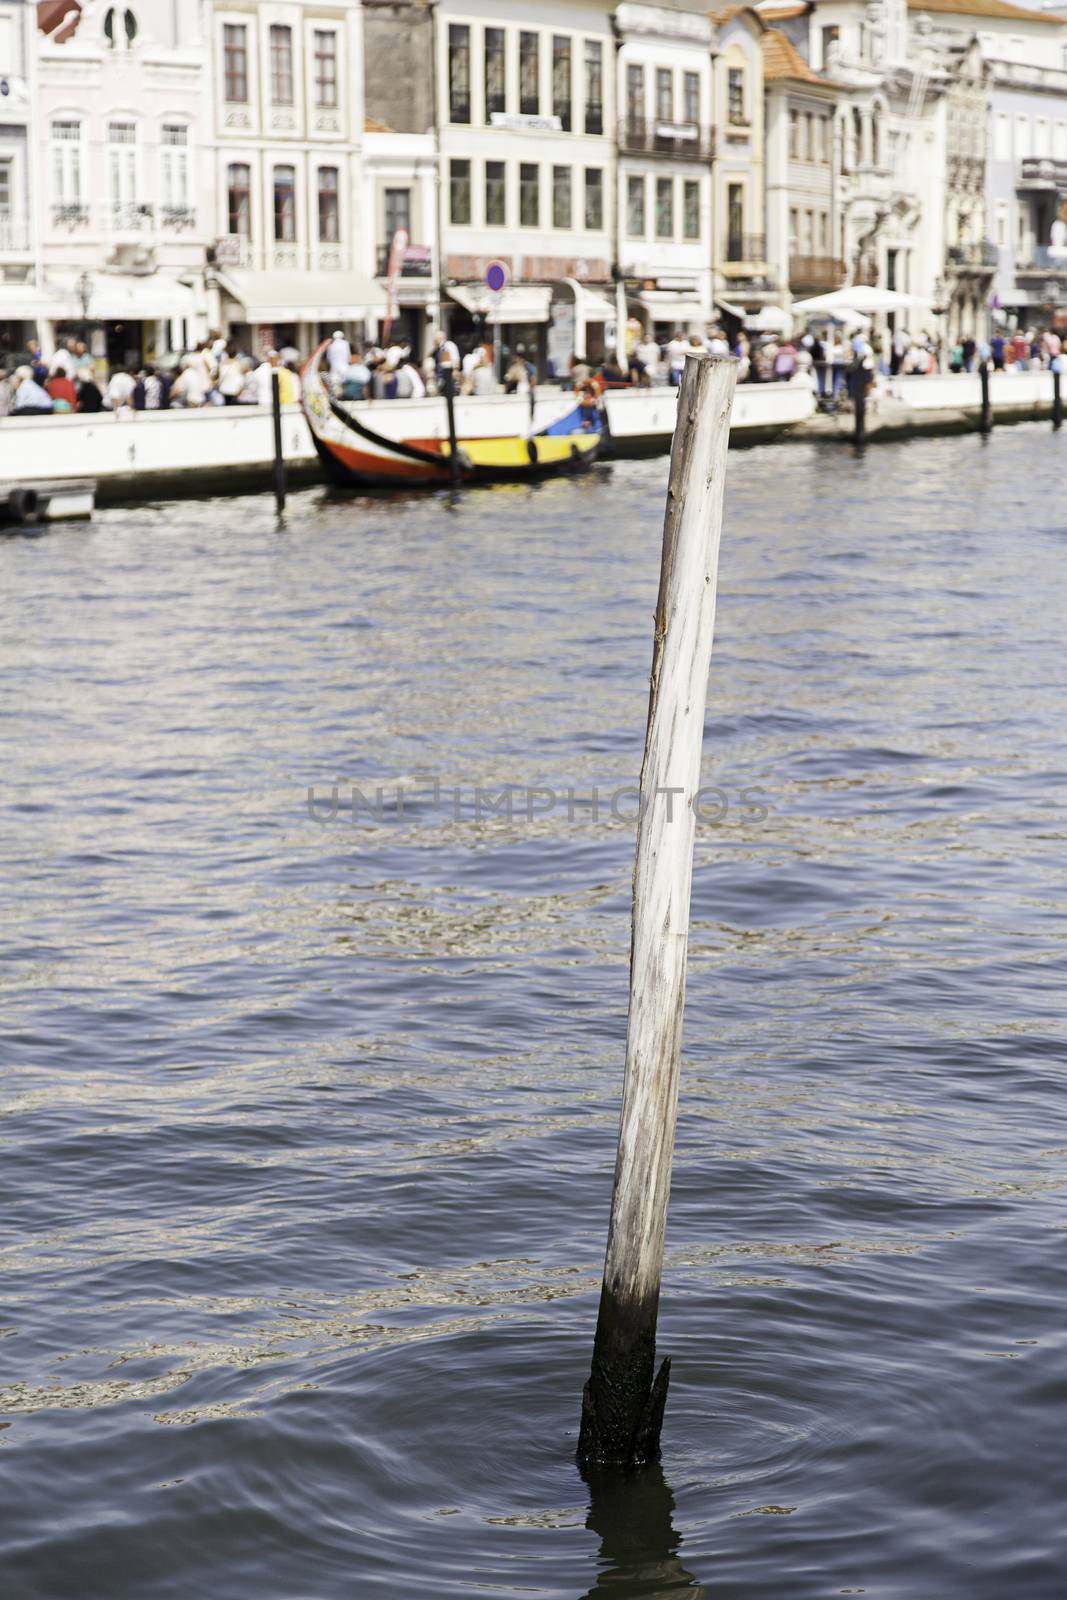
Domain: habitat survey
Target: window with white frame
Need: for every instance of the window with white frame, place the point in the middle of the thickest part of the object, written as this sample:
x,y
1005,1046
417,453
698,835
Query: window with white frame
x,y
285,204
594,86
1059,142
635,207
1042,137
121,166
495,65
691,96
594,198
691,209
496,194
174,161
664,208
735,96
1001,224
281,65
529,194
562,88
329,205
529,74
7,193
325,60
239,199
1022,137
235,62
68,180
1001,137
561,197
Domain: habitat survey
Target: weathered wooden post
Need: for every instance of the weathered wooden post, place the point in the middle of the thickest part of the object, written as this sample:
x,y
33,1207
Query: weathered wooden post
x,y
448,378
279,458
858,376
985,423
622,1406
1057,399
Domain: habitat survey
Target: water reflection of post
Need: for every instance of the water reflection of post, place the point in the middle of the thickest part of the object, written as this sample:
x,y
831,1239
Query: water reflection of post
x,y
633,1512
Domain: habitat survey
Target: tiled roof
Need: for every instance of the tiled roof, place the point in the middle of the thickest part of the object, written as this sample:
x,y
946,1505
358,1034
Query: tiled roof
x,y
59,18
784,13
985,8
782,59
375,125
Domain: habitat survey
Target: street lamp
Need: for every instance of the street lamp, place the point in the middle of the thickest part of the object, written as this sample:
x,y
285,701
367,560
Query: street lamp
x,y
84,286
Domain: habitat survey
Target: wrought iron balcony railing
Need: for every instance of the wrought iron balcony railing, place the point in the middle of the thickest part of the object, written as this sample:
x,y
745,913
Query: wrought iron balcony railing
x,y
685,141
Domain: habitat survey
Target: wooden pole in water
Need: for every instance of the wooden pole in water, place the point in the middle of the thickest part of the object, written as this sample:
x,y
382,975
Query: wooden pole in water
x,y
986,420
622,1406
453,447
1057,399
859,401
279,458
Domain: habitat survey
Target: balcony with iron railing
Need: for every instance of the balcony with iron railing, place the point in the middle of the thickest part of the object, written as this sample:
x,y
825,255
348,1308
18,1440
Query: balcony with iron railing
x,y
237,251
70,214
653,136
815,274
1042,261
177,219
976,255
744,251
130,219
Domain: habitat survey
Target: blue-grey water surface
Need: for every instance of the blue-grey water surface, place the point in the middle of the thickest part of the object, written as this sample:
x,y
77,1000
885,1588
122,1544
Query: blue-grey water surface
x,y
309,1126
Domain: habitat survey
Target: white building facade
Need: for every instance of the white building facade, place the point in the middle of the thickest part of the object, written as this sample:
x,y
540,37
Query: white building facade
x,y
21,300
122,175
664,196
287,230
526,114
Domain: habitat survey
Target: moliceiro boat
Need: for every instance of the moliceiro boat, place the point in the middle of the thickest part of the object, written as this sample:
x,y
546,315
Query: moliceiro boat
x,y
406,442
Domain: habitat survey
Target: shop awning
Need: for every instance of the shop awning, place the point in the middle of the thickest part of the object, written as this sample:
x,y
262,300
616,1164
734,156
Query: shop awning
x,y
670,305
594,307
25,302
518,303
269,297
731,310
127,297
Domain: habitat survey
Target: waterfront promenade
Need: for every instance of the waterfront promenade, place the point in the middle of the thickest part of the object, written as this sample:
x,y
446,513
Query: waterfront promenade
x,y
230,449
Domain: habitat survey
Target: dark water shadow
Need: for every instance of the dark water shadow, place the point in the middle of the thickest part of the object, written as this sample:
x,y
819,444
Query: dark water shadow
x,y
633,1513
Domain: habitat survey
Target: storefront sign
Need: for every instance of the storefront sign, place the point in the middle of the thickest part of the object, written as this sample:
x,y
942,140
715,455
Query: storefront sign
x,y
522,122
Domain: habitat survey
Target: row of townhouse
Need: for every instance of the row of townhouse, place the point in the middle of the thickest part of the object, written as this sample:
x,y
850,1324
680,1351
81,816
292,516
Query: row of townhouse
x,y
253,166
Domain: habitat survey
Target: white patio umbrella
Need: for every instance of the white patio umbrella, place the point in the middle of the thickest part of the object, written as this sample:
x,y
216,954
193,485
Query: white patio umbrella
x,y
771,319
861,297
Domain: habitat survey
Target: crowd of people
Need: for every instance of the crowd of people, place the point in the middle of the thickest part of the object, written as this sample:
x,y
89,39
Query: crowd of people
x,y
215,373
219,373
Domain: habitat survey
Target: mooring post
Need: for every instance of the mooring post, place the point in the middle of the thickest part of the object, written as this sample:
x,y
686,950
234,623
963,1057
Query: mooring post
x,y
986,421
1057,400
859,401
448,379
279,458
622,1406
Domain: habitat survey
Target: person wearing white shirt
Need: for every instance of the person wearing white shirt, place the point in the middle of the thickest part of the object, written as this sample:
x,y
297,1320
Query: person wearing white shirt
x,y
409,384
120,390
648,355
338,357
62,363
677,350
189,388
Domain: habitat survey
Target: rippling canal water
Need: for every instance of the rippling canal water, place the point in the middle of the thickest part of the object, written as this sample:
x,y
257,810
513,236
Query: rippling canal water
x,y
309,1125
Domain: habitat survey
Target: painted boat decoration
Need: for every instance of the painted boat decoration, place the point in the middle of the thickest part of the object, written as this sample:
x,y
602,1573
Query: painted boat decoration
x,y
405,442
